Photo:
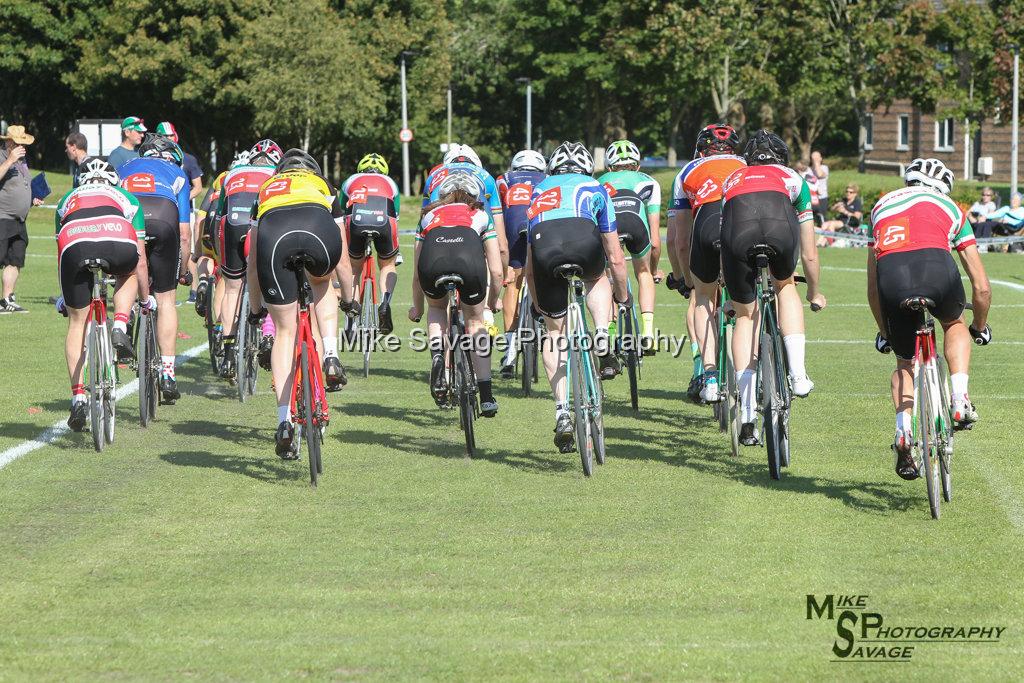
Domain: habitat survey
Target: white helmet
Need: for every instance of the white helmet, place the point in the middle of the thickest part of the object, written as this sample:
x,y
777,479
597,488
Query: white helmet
x,y
461,180
527,160
96,170
459,152
930,173
571,157
241,159
621,152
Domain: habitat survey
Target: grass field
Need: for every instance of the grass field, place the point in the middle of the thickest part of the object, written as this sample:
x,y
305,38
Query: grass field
x,y
189,550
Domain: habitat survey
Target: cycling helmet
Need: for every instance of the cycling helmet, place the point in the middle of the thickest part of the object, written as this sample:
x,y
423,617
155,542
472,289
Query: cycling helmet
x,y
765,147
98,171
297,159
372,163
717,138
161,147
458,152
621,153
930,173
241,159
528,160
571,157
265,149
460,180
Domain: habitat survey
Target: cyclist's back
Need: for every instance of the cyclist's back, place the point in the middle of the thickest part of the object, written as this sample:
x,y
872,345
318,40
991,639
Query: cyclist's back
x,y
240,188
488,195
633,194
515,190
372,203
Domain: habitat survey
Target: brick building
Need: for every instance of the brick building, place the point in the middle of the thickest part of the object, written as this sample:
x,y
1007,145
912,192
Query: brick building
x,y
901,132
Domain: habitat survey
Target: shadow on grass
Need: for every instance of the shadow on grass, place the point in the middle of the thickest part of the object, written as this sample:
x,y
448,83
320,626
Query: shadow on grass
x,y
262,465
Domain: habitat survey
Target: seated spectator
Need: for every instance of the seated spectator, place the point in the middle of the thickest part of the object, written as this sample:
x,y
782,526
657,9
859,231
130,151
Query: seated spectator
x,y
1009,220
847,217
980,211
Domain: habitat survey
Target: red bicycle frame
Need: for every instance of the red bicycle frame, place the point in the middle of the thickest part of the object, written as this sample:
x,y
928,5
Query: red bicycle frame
x,y
368,275
304,335
924,345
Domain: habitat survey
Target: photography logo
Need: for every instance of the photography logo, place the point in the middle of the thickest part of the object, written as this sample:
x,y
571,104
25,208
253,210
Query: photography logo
x,y
870,636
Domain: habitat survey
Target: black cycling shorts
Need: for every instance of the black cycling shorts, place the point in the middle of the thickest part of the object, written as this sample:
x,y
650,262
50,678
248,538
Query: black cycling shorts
x,y
758,218
76,279
930,273
209,238
705,257
163,246
231,249
633,232
290,231
453,251
374,219
559,242
517,242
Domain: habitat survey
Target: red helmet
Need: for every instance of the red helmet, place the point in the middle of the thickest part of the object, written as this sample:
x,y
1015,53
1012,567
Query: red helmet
x,y
718,138
268,149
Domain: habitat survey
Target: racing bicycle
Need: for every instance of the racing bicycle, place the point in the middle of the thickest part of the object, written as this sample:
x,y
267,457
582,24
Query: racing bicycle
x,y
147,364
100,365
727,410
627,347
527,335
461,380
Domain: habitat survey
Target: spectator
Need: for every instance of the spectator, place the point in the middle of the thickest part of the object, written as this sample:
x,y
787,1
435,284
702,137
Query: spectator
x,y
195,177
848,212
76,146
812,184
1009,220
980,212
132,130
820,171
15,201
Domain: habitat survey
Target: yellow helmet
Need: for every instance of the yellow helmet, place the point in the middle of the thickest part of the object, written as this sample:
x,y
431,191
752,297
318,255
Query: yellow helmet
x,y
372,163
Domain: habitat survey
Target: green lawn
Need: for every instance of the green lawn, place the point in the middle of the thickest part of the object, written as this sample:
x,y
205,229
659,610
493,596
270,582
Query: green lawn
x,y
188,550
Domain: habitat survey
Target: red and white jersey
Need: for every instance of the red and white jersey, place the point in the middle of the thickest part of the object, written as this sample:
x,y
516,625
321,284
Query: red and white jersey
x,y
915,218
369,184
771,178
457,216
105,229
700,182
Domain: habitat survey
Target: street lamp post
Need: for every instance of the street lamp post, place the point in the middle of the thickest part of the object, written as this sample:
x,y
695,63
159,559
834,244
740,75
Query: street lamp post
x,y
405,126
449,114
1013,133
529,110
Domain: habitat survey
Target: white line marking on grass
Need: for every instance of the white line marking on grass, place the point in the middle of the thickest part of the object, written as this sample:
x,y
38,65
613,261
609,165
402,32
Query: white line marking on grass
x,y
872,341
58,429
1005,494
1012,285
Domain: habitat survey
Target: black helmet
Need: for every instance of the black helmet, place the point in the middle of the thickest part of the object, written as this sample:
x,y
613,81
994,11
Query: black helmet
x,y
718,138
765,147
297,159
161,147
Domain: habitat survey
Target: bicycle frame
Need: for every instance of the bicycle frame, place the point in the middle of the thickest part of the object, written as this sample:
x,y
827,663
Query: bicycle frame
x,y
304,334
581,369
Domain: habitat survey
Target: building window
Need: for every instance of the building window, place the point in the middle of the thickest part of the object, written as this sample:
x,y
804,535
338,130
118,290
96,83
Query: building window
x,y
869,128
944,135
903,133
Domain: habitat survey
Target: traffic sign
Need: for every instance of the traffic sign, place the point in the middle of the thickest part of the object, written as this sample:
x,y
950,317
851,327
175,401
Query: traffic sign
x,y
405,135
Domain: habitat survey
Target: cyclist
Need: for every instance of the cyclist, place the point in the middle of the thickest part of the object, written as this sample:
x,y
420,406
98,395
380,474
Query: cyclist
x,y
205,253
234,205
297,212
637,200
572,220
161,187
697,201
766,202
98,220
913,230
515,189
457,236
372,203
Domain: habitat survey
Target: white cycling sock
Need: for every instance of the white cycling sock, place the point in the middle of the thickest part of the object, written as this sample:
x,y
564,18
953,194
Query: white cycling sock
x,y
795,344
330,346
283,413
510,348
902,423
168,365
747,387
560,408
958,380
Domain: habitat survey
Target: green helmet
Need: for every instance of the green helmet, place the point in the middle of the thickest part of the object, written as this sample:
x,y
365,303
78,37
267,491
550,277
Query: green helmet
x,y
372,163
620,153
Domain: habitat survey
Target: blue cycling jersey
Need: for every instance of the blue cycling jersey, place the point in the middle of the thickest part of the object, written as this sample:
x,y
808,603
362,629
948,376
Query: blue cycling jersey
x,y
150,177
490,198
516,191
572,195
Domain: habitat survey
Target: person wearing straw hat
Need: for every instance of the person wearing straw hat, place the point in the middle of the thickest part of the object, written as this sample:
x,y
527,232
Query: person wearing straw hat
x,y
132,131
15,201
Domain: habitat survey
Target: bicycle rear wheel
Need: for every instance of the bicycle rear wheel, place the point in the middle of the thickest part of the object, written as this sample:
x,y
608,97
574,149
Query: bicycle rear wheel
x,y
467,399
782,387
945,431
633,369
142,367
310,431
213,340
95,369
929,441
580,409
769,402
528,358
109,387
367,324
153,363
241,351
596,401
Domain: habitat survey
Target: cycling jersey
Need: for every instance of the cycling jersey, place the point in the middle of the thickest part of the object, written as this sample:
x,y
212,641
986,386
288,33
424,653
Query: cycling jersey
x,y
296,187
489,198
100,201
515,190
212,194
915,218
457,216
238,192
369,185
571,195
771,178
641,184
700,182
151,177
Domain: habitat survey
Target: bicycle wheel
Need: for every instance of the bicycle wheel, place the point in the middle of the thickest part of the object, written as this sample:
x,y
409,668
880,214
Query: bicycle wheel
x,y
241,332
528,357
367,324
95,370
945,431
109,386
310,432
252,346
731,394
595,391
153,363
579,405
213,340
142,367
929,444
782,387
769,402
630,338
467,399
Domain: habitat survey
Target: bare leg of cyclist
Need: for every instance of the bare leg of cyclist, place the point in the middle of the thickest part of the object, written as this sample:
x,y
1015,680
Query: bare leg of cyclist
x,y
281,358
744,345
600,304
956,346
705,296
387,278
510,313
232,288
645,287
477,329
903,401
791,322
167,330
326,298
437,325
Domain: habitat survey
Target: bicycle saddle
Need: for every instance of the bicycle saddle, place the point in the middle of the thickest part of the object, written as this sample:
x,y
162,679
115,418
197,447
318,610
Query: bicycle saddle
x,y
445,280
760,250
569,270
299,261
96,263
917,303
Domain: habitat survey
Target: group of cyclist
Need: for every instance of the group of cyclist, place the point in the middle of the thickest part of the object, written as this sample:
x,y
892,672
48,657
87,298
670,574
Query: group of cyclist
x,y
271,207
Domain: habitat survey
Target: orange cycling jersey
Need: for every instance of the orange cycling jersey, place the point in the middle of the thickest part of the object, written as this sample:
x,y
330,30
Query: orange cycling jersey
x,y
295,187
700,182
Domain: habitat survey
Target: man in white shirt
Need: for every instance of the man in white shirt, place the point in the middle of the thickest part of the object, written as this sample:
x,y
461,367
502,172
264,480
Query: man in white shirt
x,y
821,171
